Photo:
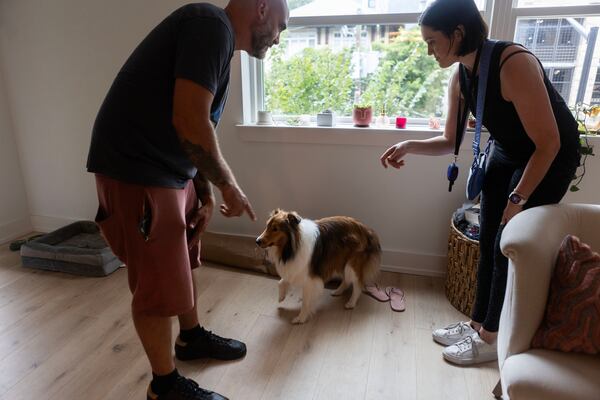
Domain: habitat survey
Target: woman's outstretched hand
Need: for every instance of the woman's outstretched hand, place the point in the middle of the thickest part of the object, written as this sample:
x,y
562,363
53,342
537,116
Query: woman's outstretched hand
x,y
394,156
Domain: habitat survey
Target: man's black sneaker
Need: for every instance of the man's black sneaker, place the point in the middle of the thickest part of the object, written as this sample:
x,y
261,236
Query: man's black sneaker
x,y
185,389
209,345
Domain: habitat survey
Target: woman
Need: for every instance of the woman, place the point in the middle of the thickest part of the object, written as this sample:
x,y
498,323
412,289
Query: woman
x,y
535,155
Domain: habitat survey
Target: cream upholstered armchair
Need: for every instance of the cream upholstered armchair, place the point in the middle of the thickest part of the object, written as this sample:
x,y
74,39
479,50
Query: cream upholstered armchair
x,y
531,241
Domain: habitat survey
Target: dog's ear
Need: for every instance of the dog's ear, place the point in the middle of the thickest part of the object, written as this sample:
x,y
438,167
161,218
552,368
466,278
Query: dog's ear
x,y
294,218
275,212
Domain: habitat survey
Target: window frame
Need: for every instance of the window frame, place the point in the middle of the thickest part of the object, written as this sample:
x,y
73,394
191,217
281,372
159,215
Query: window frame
x,y
252,69
500,15
506,14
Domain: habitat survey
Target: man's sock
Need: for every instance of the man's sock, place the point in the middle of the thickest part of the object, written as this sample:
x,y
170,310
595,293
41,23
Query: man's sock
x,y
189,335
161,384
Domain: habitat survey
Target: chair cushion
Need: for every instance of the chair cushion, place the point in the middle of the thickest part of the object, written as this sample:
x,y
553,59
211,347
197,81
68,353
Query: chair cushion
x,y
572,319
551,375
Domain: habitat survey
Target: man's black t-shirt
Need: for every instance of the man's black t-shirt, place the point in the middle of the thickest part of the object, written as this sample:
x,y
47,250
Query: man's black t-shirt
x,y
133,139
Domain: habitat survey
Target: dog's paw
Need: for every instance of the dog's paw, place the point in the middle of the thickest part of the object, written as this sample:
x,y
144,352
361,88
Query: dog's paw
x,y
283,289
336,293
349,305
299,320
282,295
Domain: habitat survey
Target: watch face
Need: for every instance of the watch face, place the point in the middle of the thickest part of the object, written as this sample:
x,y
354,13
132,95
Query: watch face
x,y
515,198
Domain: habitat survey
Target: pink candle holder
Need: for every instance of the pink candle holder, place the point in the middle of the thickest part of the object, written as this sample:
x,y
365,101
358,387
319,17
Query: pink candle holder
x,y
401,122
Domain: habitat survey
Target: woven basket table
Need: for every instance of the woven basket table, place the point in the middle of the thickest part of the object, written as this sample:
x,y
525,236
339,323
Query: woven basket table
x,y
461,277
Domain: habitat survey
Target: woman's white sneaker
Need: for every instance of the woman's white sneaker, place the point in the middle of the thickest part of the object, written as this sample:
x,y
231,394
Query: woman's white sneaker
x,y
453,333
471,350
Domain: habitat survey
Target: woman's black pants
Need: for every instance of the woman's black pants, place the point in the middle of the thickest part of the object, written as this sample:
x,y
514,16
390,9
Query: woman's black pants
x,y
501,177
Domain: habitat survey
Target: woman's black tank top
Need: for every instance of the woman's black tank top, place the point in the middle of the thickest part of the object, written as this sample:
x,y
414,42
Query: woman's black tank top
x,y
502,121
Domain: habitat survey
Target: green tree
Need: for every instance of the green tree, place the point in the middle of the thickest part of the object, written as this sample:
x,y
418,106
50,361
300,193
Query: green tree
x,y
310,82
407,80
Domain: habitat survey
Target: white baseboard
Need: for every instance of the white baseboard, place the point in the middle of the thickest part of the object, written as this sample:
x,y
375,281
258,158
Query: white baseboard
x,y
399,261
42,223
414,263
392,260
14,229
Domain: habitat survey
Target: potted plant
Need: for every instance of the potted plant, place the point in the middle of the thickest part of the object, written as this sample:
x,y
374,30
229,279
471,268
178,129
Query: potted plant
x,y
326,118
588,120
362,115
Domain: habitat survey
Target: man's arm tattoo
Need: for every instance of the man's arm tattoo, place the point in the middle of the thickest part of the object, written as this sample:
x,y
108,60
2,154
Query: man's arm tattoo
x,y
211,168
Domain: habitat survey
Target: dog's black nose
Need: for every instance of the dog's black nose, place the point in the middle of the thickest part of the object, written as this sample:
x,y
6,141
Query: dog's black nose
x,y
258,241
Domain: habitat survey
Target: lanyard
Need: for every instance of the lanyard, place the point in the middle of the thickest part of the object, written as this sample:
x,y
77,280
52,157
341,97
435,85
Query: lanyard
x,y
461,119
481,91
484,53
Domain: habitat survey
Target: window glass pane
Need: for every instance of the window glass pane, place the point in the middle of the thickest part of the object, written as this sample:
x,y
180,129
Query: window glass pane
x,y
385,66
567,49
551,39
554,3
313,8
596,91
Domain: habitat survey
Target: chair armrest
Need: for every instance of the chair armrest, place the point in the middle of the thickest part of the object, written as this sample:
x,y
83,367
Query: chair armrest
x,y
531,241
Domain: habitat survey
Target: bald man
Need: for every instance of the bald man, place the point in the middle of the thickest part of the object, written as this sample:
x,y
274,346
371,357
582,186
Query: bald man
x,y
155,154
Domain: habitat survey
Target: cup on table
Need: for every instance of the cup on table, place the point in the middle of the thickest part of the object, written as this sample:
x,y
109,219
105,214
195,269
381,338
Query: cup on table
x,y
264,118
401,122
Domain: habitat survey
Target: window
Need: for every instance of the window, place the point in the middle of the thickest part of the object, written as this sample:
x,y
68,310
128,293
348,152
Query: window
x,y
552,40
562,79
364,51
564,36
596,92
337,53
554,3
385,67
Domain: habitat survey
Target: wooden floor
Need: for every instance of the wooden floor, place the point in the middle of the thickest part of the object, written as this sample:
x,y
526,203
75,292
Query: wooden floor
x,y
65,337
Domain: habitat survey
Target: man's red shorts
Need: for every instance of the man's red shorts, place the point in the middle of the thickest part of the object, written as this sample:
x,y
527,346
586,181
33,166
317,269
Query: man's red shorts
x,y
146,227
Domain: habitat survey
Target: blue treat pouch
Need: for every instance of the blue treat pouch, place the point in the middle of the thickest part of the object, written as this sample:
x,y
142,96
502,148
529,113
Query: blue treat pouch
x,y
476,175
452,174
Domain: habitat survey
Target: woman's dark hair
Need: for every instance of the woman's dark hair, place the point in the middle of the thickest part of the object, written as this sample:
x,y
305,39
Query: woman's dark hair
x,y
447,15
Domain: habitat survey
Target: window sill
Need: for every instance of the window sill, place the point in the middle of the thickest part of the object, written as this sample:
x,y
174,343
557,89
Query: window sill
x,y
340,134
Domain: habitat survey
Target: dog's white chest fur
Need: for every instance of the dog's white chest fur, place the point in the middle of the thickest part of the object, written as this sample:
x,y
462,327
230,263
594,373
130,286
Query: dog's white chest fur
x,y
296,270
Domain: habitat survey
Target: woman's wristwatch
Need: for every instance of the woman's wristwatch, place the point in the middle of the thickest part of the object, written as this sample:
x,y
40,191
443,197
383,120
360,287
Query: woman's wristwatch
x,y
517,198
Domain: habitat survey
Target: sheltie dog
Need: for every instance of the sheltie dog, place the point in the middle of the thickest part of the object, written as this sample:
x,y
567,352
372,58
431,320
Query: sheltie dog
x,y
309,253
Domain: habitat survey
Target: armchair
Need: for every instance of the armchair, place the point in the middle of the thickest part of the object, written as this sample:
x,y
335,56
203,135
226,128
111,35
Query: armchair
x,y
531,241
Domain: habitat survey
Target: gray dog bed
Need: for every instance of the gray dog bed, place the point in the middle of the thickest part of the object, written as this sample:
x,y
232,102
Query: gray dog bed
x,y
78,248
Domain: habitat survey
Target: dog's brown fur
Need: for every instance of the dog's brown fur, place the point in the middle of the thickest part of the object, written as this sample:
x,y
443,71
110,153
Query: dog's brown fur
x,y
338,243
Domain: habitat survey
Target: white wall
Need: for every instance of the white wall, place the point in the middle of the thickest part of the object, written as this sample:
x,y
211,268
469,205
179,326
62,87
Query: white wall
x,y
60,58
14,213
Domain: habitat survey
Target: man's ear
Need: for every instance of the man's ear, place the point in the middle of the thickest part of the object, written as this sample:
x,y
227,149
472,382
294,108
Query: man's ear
x,y
262,8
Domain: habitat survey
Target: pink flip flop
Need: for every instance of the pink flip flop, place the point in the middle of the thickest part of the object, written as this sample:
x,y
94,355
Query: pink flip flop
x,y
396,296
377,293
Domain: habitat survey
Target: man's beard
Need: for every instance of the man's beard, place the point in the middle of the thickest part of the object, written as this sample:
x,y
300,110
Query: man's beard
x,y
261,41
